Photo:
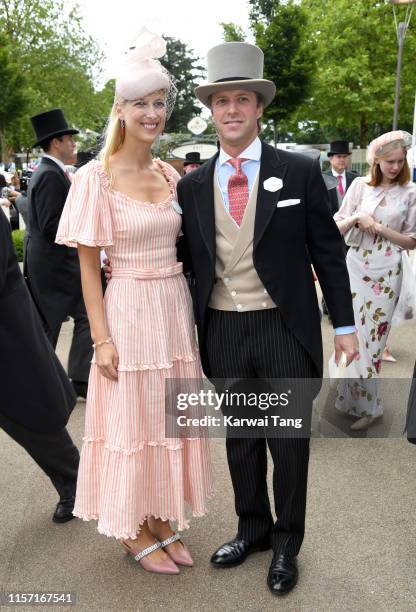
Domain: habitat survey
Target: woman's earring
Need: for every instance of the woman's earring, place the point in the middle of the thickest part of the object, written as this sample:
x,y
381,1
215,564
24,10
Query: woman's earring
x,y
122,129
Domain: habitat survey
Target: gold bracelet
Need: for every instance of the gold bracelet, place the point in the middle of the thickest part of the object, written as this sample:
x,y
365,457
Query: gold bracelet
x,y
106,341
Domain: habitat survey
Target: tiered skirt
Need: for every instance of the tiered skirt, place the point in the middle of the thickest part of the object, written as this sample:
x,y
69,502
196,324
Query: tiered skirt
x,y
129,469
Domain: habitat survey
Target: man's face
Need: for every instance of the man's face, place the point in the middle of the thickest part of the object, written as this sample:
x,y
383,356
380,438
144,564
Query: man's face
x,y
339,162
190,167
235,115
66,149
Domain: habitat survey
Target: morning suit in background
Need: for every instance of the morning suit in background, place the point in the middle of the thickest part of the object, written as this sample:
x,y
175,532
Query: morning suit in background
x,y
52,270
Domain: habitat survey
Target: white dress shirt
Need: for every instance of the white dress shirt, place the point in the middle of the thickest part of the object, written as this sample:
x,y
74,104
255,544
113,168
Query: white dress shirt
x,y
57,161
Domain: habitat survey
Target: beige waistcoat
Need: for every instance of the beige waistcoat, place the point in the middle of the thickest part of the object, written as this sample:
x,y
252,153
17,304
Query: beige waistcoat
x,y
238,286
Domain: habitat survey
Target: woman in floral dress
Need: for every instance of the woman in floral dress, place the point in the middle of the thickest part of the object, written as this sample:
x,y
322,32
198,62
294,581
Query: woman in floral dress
x,y
133,479
383,206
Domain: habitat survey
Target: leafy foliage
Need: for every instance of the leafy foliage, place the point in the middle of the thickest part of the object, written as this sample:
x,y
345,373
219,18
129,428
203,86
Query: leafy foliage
x,y
183,65
232,32
60,61
354,84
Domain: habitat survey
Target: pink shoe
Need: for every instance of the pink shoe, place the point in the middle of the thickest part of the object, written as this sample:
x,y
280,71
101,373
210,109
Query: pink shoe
x,y
162,567
182,557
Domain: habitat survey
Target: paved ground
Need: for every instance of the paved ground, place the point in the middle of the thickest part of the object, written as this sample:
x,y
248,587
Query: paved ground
x,y
359,552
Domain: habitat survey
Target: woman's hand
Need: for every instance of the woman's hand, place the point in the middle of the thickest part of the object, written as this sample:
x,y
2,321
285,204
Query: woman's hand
x,y
108,270
366,223
106,358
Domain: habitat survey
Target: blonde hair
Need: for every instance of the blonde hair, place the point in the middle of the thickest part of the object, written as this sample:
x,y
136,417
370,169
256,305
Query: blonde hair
x,y
112,138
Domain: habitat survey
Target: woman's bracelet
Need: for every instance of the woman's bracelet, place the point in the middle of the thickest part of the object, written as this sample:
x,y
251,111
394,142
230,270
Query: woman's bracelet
x,y
106,341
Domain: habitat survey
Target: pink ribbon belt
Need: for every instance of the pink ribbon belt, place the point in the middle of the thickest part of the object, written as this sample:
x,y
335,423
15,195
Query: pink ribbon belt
x,y
147,273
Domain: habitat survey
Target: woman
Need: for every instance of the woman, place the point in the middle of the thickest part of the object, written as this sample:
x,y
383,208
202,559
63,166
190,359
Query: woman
x,y
133,479
383,206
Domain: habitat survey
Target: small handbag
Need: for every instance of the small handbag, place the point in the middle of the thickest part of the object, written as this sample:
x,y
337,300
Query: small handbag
x,y
354,236
405,309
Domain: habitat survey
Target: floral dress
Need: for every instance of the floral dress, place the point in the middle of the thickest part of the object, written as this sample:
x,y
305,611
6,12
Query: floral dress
x,y
375,271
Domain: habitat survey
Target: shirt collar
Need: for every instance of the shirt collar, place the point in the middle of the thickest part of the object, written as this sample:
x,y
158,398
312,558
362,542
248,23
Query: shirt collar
x,y
57,161
253,152
338,173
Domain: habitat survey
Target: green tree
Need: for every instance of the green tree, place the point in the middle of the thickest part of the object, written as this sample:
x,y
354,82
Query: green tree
x,y
60,59
289,56
354,83
13,99
181,62
232,32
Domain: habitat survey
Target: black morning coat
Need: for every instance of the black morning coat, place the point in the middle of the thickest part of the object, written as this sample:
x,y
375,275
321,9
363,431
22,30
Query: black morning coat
x,y
349,177
35,390
286,241
52,270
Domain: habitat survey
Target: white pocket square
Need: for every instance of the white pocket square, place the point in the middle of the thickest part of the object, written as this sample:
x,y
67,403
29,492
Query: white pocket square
x,y
283,203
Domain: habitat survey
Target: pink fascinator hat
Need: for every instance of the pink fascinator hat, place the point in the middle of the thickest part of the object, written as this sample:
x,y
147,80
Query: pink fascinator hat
x,y
140,73
386,143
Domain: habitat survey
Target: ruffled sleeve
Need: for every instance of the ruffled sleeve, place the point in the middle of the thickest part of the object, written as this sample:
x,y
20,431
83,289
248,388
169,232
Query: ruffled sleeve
x,y
171,173
352,199
86,217
409,225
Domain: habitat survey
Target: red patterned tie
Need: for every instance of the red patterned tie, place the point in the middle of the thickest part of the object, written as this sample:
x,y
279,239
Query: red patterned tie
x,y
238,193
340,185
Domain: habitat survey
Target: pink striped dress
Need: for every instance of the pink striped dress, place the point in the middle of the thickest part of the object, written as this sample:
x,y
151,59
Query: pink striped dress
x,y
129,470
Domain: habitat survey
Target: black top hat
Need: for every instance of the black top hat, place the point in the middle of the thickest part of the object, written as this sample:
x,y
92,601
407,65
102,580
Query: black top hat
x,y
193,158
339,147
50,125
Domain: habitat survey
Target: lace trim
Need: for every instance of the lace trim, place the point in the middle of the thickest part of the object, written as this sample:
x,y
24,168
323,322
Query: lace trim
x,y
73,241
142,445
183,523
105,182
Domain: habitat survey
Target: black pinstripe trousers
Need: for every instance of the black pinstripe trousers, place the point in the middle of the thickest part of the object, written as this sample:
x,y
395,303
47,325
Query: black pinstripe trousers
x,y
257,344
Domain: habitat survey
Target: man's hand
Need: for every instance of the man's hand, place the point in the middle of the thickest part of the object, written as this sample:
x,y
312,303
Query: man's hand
x,y
108,270
348,344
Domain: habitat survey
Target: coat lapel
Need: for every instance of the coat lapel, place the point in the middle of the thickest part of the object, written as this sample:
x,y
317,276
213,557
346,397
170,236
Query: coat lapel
x,y
203,193
270,165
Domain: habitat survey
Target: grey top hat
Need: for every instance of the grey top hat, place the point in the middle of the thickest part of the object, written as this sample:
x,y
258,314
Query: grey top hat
x,y
236,65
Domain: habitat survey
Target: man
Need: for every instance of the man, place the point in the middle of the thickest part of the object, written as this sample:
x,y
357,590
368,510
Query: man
x,y
192,162
338,155
36,396
52,270
251,215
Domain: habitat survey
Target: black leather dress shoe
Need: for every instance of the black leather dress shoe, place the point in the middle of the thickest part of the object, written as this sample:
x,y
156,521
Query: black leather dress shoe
x,y
283,574
63,510
236,552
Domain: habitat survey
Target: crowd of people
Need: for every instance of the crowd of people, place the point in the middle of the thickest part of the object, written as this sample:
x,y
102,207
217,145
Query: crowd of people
x,y
244,229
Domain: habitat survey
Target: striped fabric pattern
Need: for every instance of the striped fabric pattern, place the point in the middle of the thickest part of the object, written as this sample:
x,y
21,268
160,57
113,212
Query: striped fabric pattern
x,y
129,470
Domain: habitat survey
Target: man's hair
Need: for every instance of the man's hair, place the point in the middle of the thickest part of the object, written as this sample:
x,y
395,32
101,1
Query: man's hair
x,y
377,176
46,144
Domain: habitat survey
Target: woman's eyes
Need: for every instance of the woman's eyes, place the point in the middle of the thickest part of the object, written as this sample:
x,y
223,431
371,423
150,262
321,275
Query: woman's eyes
x,y
157,104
